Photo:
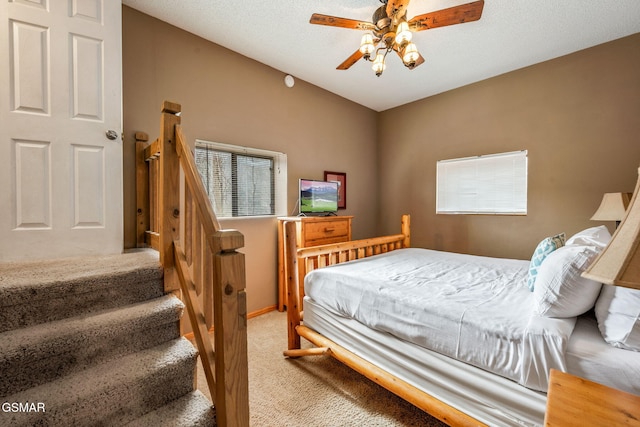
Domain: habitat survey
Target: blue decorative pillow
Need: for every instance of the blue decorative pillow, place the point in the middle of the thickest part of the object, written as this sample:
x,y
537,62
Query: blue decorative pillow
x,y
544,248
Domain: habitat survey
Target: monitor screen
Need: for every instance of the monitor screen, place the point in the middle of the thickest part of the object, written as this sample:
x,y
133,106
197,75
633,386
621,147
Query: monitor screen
x,y
318,196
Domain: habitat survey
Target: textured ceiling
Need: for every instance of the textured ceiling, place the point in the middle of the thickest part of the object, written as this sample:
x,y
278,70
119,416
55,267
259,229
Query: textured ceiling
x,y
510,35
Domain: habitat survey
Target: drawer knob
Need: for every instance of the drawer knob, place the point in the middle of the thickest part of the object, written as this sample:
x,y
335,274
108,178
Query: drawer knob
x,y
329,230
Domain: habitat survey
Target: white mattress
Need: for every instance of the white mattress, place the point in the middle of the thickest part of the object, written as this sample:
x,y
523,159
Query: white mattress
x,y
475,309
489,398
589,356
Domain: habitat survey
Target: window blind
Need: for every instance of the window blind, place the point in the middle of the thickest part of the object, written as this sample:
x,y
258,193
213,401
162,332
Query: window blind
x,y
491,184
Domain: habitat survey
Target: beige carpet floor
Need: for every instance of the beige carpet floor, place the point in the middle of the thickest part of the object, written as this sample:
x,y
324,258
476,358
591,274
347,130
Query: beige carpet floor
x,y
313,391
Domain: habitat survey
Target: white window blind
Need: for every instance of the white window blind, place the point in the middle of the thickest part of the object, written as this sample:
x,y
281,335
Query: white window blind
x,y
242,181
491,184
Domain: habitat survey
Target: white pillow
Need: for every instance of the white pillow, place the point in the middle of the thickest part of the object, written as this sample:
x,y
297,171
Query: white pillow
x,y
560,289
594,236
618,314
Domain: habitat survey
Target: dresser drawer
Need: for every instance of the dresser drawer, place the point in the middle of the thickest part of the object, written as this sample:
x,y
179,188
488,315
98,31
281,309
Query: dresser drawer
x,y
325,232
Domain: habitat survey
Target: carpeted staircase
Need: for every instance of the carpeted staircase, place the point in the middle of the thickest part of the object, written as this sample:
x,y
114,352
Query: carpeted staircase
x,y
94,341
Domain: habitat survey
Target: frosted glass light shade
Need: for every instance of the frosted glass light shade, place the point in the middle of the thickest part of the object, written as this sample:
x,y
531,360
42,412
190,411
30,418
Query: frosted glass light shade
x,y
619,262
366,44
403,34
410,54
378,64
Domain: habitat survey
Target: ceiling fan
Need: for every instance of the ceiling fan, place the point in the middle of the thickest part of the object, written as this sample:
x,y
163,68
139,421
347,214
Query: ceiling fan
x,y
389,30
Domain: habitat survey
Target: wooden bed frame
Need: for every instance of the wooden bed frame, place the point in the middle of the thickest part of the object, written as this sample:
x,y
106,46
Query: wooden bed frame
x,y
302,261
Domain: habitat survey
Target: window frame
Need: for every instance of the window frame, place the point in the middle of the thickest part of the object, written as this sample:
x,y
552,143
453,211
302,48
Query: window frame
x,y
484,167
279,182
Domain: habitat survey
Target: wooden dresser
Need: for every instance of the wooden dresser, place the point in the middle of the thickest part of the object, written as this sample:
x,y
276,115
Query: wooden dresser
x,y
310,231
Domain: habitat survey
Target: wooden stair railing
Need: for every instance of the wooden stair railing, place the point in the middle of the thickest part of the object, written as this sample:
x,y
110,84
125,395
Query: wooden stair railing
x,y
200,261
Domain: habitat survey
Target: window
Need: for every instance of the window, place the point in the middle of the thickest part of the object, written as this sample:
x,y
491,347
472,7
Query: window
x,y
492,184
242,181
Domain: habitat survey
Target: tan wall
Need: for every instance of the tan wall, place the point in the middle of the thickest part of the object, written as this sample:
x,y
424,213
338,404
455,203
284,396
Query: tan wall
x,y
579,118
229,98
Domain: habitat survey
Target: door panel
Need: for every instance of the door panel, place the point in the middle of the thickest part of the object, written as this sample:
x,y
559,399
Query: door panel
x,y
89,180
86,57
33,185
60,92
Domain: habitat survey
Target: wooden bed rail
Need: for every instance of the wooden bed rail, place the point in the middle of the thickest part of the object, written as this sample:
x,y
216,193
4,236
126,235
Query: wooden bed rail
x,y
200,261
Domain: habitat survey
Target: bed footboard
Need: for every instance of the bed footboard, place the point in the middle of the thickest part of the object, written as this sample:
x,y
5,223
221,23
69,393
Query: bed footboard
x,y
302,261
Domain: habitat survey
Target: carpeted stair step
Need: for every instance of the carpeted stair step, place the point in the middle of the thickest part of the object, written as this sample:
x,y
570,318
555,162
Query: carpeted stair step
x,y
191,410
44,291
112,393
37,354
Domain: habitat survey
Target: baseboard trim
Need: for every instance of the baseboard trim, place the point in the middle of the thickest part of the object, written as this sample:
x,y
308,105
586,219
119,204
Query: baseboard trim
x,y
262,311
191,337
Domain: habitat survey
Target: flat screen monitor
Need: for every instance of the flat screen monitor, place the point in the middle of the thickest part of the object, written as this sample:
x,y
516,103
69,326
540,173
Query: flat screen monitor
x,y
318,197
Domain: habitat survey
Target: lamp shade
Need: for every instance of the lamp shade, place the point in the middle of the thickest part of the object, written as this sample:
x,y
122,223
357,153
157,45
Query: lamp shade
x,y
378,64
366,44
403,34
612,207
410,54
619,263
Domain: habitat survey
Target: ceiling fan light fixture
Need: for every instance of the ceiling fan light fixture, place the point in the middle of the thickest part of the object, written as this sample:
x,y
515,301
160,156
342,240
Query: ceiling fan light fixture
x,y
378,64
366,45
403,34
391,30
410,55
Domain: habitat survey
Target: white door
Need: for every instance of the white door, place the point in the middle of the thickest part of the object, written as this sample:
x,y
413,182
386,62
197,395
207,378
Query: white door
x,y
60,93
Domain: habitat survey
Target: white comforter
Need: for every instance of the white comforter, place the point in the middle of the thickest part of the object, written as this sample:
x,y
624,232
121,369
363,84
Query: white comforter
x,y
475,309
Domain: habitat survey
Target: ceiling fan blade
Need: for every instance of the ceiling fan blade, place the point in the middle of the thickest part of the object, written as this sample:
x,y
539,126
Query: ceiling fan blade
x,y
454,15
355,56
334,21
397,8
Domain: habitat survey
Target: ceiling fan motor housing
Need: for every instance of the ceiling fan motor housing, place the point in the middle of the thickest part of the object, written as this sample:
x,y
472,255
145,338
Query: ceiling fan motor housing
x,y
379,14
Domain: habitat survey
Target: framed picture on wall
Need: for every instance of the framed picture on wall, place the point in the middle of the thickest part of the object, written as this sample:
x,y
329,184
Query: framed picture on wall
x,y
341,178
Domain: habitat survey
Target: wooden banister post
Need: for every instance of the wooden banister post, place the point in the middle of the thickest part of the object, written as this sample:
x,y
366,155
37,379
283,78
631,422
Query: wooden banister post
x,y
142,190
169,194
230,332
